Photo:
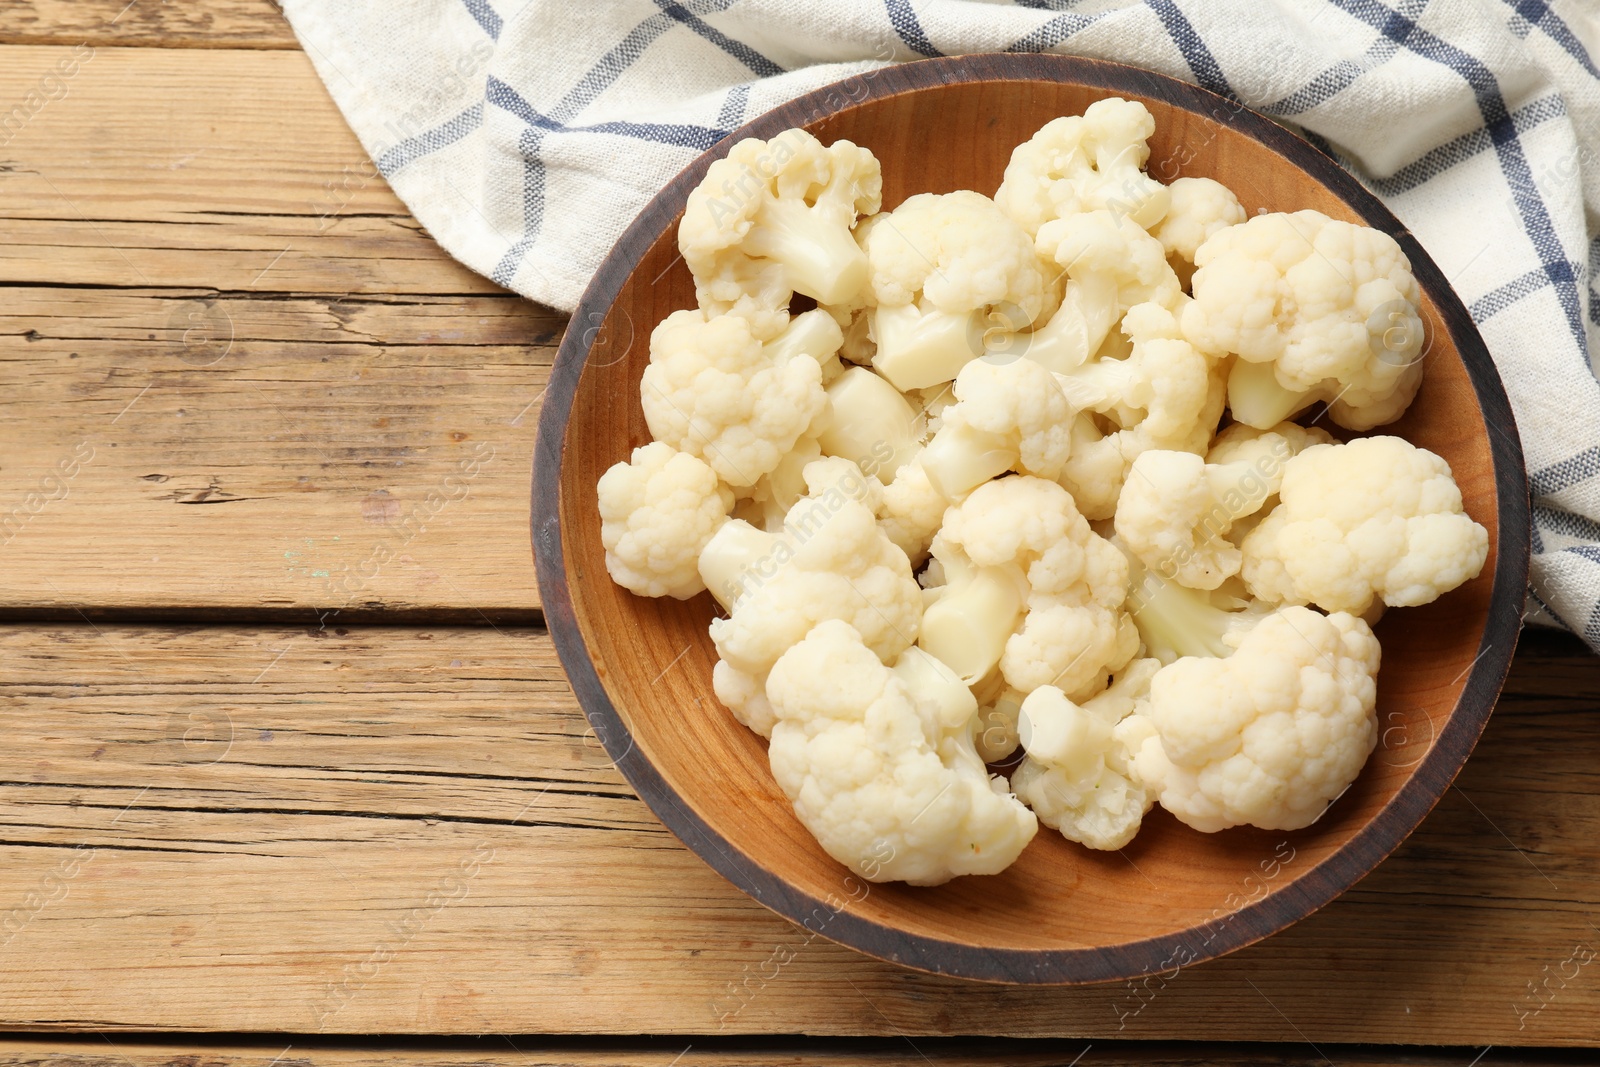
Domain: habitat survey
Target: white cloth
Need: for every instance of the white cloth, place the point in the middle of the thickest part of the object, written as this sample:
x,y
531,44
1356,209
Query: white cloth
x,y
527,134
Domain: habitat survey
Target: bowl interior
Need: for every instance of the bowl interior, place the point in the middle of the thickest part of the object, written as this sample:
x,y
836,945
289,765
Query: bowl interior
x,y
654,659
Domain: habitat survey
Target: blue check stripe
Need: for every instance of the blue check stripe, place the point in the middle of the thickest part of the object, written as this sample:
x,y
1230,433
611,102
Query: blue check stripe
x,y
1463,148
486,16
903,17
757,62
414,148
1567,473
1538,14
1566,524
1497,300
1536,221
733,107
1207,72
1339,77
1054,32
698,138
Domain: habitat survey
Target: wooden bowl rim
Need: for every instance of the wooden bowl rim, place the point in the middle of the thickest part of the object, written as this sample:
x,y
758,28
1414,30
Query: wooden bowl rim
x,y
1337,872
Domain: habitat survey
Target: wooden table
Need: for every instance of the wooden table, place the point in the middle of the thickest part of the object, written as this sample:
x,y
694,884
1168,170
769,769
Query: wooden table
x,y
260,793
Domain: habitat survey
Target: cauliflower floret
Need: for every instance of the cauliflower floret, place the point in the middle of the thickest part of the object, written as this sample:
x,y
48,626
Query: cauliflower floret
x,y
1375,519
714,391
656,514
870,424
830,561
911,511
1176,511
1010,414
1271,735
1267,450
775,218
997,735
1200,207
814,334
1085,163
1166,395
942,265
1316,309
880,763
1078,775
1074,583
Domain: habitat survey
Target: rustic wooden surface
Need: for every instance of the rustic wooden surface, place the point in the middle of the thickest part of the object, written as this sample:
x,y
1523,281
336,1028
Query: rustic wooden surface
x,y
240,800
410,829
123,1051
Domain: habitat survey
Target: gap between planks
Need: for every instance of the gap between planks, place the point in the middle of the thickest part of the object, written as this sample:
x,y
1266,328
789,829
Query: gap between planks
x,y
414,830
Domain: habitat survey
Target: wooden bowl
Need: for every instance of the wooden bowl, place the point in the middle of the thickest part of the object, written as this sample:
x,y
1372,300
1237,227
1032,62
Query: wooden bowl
x,y
1062,913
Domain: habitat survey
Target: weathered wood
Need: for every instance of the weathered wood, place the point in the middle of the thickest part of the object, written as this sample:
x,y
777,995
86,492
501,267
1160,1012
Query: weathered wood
x,y
522,1051
148,23
121,181
279,458
412,830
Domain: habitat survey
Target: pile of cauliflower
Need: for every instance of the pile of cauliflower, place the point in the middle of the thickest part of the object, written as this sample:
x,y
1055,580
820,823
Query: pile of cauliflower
x,y
979,474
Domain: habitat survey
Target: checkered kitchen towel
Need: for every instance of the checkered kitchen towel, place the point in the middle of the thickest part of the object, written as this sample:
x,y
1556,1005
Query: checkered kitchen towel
x,y
527,134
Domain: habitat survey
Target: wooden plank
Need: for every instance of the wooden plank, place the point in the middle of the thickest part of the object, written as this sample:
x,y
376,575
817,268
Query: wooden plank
x,y
147,23
121,181
497,1051
407,830
208,455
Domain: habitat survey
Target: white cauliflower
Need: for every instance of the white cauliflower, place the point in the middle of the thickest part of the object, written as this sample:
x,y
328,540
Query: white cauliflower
x,y
716,392
830,561
774,218
880,763
911,511
656,514
997,735
1375,519
870,424
1074,631
1271,735
1010,414
1316,310
814,334
1200,207
1266,449
942,266
1166,395
1085,163
1078,775
1176,512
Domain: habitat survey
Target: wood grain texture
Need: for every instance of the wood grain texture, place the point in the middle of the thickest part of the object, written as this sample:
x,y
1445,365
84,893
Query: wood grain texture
x,y
268,457
148,23
936,126
413,830
498,1051
231,309
122,181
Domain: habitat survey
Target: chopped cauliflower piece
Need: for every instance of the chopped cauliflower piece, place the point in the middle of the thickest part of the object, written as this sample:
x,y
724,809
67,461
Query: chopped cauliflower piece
x,y
942,266
814,334
912,511
1271,735
1166,395
1200,207
1010,414
1316,310
880,763
716,392
830,561
1176,511
870,424
775,218
1074,582
1375,519
1082,163
657,512
1078,775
